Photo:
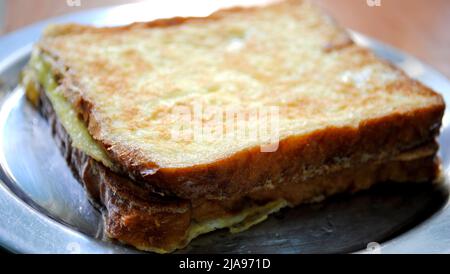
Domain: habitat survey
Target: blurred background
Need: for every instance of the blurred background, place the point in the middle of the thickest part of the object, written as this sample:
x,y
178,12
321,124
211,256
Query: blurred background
x,y
419,27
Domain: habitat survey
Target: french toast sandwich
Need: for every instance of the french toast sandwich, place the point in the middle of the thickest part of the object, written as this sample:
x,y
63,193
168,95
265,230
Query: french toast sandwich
x,y
345,119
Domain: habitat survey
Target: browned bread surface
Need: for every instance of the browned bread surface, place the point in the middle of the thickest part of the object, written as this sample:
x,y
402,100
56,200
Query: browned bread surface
x,y
347,119
337,100
136,215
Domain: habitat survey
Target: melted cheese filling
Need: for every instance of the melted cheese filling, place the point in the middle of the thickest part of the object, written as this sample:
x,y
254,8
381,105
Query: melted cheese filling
x,y
77,130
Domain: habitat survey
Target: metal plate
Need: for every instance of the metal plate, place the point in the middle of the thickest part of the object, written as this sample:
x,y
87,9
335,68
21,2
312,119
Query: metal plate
x,y
44,210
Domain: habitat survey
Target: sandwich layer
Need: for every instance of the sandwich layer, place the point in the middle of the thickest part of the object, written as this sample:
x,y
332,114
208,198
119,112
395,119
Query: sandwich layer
x,y
347,120
338,103
134,214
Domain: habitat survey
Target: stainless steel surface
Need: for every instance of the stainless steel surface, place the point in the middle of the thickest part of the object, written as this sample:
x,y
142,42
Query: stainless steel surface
x,y
44,210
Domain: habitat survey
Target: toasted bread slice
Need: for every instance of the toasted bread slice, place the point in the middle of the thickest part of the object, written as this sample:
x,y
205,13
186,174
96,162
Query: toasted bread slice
x,y
346,119
135,215
335,98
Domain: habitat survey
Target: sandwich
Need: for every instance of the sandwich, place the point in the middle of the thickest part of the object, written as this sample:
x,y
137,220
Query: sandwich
x,y
130,107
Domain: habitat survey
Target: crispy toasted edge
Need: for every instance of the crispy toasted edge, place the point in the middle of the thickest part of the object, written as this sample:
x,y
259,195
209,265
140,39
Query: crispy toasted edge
x,y
135,163
72,28
423,117
124,157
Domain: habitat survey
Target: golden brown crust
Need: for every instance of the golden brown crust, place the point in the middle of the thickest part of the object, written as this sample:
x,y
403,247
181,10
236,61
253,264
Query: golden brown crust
x,y
381,137
67,29
152,205
132,221
134,214
301,157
